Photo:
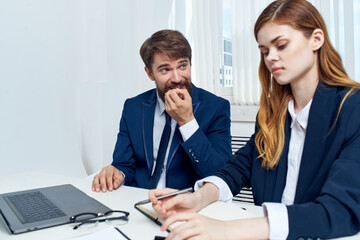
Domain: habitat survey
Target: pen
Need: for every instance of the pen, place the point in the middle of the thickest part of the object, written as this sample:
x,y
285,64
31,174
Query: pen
x,y
190,189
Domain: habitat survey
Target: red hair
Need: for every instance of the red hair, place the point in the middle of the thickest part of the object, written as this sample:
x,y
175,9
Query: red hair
x,y
303,16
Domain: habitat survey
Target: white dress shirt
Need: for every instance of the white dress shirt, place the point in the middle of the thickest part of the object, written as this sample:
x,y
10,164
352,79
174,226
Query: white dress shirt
x,y
187,130
277,212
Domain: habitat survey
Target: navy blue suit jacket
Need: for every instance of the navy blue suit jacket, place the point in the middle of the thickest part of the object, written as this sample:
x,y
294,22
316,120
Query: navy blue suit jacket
x,y
206,151
327,200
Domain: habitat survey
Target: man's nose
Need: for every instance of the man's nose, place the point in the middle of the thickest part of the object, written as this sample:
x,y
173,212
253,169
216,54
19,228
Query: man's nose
x,y
175,77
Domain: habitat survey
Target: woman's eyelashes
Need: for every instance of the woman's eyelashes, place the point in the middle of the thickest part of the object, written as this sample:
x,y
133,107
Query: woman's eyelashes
x,y
265,51
282,46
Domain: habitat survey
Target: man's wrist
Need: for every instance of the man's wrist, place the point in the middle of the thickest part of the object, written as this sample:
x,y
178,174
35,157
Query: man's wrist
x,y
188,129
185,121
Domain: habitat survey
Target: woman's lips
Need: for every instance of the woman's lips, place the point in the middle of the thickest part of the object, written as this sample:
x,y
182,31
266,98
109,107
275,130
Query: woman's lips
x,y
276,70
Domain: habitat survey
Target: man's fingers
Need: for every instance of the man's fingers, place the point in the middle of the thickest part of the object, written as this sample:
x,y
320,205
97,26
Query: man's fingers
x,y
99,180
174,97
103,184
183,93
170,104
95,184
118,179
102,179
109,179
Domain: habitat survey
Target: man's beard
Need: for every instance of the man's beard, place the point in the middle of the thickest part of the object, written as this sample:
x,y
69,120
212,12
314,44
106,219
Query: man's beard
x,y
185,83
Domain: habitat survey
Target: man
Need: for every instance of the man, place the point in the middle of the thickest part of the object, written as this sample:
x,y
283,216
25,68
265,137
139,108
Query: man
x,y
156,151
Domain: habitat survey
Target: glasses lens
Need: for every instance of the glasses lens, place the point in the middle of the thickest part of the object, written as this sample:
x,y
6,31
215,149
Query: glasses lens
x,y
116,218
85,216
85,221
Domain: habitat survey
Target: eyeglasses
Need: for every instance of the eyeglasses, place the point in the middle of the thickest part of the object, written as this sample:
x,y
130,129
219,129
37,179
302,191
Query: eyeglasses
x,y
114,217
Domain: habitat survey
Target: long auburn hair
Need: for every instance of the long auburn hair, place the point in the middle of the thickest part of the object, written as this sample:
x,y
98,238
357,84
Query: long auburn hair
x,y
303,16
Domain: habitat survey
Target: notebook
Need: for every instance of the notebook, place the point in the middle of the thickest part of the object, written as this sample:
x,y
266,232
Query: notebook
x,y
35,209
218,210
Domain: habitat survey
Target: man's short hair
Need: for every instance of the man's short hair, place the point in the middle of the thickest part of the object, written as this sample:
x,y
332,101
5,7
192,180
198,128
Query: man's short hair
x,y
169,42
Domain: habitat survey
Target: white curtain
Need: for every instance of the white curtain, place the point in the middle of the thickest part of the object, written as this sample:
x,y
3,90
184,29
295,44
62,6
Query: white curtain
x,y
67,67
246,56
340,21
207,49
93,77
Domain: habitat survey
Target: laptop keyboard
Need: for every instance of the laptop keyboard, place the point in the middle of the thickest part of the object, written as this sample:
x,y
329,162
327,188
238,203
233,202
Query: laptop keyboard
x,y
33,207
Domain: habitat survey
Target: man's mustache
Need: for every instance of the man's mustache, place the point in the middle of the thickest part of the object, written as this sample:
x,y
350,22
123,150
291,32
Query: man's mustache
x,y
174,86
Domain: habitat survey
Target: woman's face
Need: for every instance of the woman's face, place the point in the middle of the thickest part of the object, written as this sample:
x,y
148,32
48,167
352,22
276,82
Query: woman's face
x,y
288,54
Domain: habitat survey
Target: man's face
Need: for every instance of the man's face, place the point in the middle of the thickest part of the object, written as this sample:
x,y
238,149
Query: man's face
x,y
170,73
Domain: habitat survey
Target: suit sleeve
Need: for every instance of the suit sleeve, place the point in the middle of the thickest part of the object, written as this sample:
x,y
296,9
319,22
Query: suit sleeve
x,y
336,211
124,156
237,172
210,149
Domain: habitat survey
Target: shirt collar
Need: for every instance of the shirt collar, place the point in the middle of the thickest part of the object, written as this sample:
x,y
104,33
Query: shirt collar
x,y
160,105
302,117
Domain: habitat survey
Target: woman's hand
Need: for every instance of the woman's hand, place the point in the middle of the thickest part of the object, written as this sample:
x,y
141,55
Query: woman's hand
x,y
198,227
195,226
185,202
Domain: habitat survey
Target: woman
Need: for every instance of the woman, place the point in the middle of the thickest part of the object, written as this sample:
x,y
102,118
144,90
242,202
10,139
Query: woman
x,y
303,161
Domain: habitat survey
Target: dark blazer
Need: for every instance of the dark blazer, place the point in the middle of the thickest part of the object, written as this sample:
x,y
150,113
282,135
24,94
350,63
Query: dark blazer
x,y
327,200
206,151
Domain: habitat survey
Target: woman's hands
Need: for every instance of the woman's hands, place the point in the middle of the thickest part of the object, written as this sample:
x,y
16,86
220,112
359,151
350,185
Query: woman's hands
x,y
185,202
195,226
199,227
183,207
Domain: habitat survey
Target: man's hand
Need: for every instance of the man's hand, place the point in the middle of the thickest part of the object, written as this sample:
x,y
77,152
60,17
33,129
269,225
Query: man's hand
x,y
109,178
178,105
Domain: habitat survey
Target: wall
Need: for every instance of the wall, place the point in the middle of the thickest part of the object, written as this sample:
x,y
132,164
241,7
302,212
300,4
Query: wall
x,y
66,68
243,120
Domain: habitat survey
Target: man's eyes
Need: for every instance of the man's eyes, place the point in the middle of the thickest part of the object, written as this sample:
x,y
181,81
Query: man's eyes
x,y
165,70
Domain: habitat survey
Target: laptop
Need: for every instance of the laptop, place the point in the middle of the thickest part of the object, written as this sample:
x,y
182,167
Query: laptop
x,y
40,208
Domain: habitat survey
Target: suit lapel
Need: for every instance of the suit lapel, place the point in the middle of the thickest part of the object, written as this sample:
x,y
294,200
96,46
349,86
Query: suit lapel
x,y
319,124
282,167
275,180
147,129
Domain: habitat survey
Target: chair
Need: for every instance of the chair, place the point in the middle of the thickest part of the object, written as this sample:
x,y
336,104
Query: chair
x,y
245,195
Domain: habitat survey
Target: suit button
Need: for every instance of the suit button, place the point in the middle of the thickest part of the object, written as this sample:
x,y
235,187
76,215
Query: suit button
x,y
197,161
190,150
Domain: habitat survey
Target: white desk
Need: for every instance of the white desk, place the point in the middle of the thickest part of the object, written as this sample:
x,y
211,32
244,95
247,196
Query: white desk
x,y
139,227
